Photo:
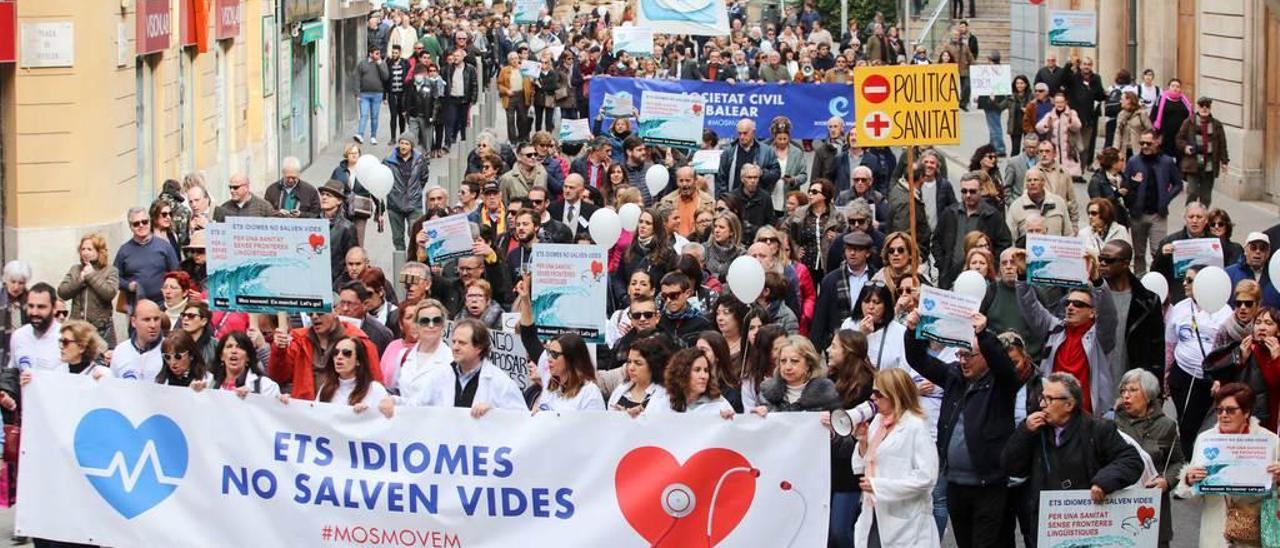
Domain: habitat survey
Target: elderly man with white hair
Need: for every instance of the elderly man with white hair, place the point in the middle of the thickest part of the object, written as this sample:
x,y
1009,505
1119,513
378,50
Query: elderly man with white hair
x,y
826,151
291,196
746,149
1036,200
13,300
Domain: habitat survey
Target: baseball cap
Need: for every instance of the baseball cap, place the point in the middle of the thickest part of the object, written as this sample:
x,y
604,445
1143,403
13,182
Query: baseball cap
x,y
491,186
1258,237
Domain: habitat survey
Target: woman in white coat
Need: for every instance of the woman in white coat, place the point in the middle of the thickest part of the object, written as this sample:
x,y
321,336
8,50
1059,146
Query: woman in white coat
x,y
899,463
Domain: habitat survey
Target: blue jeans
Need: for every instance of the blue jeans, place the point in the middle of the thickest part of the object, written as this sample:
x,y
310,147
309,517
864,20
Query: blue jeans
x,y
845,508
996,132
940,506
370,107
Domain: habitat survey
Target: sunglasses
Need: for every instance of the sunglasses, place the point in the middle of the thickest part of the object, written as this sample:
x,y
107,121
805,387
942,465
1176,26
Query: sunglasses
x,y
1077,303
1240,303
863,179
1094,213
768,240
554,354
430,320
860,221
968,191
813,191
143,222
530,155
61,313
1226,410
235,187
166,213
66,342
173,356
1109,260
344,352
672,295
1146,143
897,250
1219,223
991,156
646,315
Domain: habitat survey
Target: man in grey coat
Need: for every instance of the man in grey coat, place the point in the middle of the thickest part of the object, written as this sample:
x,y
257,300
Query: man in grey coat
x,y
371,76
1015,171
1079,342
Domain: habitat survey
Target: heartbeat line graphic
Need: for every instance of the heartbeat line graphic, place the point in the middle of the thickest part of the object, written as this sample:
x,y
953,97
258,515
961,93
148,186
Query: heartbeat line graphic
x,y
130,477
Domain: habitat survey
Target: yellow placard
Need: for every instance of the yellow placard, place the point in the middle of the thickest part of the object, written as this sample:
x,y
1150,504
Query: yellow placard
x,y
907,105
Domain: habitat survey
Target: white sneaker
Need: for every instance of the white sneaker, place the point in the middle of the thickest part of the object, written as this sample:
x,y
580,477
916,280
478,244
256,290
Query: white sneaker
x,y
373,140
358,138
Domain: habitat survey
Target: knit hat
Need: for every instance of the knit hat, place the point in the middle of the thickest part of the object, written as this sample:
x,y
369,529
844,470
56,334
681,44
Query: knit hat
x,y
406,136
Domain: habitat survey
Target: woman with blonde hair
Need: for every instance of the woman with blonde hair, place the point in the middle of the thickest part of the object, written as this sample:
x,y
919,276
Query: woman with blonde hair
x,y
797,384
981,261
897,253
91,285
803,297
899,462
80,347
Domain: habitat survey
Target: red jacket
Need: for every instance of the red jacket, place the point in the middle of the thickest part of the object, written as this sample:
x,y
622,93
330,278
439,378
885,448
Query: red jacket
x,y
293,364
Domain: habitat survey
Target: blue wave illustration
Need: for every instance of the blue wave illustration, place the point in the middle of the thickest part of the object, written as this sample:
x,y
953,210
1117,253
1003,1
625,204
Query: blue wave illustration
x,y
680,11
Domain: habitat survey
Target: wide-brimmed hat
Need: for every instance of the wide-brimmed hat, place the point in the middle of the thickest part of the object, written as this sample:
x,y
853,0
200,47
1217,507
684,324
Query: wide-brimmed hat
x,y
197,240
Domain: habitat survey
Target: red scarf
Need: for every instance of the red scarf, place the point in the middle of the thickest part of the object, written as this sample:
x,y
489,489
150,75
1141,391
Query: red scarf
x,y
1071,359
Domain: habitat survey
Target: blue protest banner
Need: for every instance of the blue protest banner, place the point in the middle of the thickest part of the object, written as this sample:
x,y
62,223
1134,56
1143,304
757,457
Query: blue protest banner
x,y
809,106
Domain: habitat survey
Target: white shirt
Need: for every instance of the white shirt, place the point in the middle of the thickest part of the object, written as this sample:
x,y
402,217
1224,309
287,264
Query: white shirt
x,y
494,388
613,327
652,392
40,352
412,375
1181,329
266,386
346,386
129,362
701,405
588,398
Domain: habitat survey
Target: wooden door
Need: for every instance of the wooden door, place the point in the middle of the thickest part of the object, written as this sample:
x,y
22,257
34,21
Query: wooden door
x,y
1271,125
1187,46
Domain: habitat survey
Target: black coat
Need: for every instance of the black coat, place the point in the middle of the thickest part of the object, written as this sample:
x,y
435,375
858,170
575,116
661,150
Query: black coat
x,y
819,394
308,198
990,222
585,210
424,104
1084,94
1144,329
1091,453
987,403
342,237
470,89
686,331
832,308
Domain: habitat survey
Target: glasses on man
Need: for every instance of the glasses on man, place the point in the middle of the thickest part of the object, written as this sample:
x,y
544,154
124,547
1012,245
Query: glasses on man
x,y
61,314
1109,260
140,223
1045,398
968,191
860,221
1146,143
643,315
672,295
1077,303
863,179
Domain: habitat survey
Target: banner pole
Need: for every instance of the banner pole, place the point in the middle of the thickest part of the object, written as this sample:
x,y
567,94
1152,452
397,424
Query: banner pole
x,y
911,193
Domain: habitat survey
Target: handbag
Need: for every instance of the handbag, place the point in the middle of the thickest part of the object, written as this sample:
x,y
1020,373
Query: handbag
x,y
361,207
1270,521
560,93
1243,522
12,440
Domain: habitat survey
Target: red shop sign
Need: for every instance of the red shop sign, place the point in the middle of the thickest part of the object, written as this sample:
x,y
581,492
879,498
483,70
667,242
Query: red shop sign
x,y
154,26
8,31
226,14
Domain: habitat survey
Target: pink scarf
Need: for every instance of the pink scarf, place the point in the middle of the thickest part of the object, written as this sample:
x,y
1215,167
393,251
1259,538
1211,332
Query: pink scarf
x,y
1167,95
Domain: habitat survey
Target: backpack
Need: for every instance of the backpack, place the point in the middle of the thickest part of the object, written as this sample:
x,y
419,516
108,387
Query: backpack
x,y
1112,107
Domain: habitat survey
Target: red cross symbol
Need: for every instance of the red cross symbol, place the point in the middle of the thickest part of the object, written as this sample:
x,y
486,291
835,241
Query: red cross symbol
x,y
877,125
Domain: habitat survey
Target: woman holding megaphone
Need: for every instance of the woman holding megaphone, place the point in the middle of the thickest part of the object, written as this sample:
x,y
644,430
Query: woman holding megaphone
x,y
849,367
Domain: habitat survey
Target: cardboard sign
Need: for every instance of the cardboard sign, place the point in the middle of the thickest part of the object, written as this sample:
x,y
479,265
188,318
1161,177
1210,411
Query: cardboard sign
x,y
907,105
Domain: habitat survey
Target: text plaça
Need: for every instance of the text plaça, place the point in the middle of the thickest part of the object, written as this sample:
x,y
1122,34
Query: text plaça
x,y
408,460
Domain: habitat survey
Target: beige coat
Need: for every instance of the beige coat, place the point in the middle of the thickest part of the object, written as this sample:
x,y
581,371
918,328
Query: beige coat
x,y
1213,512
1129,128
1058,181
1054,213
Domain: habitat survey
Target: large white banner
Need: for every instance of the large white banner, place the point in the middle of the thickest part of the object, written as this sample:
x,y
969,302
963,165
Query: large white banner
x,y
696,17
121,463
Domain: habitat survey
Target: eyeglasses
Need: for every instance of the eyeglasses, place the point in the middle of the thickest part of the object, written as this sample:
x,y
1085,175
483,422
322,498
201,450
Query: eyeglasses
x,y
859,221
1109,260
815,191
235,187
991,156
139,223
863,179
344,352
66,342
190,315
530,155
897,250
1051,399
645,315
1094,213
768,240
1078,303
554,354
537,202
426,321
1241,303
166,213
173,356
1226,410
61,313
1220,223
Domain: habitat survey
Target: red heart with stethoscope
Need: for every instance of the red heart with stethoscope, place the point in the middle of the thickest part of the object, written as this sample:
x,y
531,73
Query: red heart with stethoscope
x,y
695,504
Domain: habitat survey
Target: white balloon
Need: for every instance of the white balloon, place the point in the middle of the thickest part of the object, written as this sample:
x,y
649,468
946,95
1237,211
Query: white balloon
x,y
1212,288
746,278
1273,268
378,180
971,283
364,166
605,227
656,179
629,214
1155,283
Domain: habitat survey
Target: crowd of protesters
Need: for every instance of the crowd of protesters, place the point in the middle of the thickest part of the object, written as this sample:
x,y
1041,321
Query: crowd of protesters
x,y
1060,389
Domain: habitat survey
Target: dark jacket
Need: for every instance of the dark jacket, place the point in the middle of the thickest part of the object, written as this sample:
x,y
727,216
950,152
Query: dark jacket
x,y
470,89
900,215
308,198
819,394
1242,370
757,211
763,157
987,403
342,237
1100,187
833,304
824,159
684,331
424,103
1054,78
255,207
1091,453
1157,434
1144,329
1167,183
1163,263
990,222
406,193
1084,94
1241,271
1218,146
377,332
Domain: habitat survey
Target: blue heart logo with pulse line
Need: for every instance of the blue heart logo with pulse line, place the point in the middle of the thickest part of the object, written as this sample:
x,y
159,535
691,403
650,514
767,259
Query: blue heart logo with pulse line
x,y
1037,250
928,304
1211,452
132,468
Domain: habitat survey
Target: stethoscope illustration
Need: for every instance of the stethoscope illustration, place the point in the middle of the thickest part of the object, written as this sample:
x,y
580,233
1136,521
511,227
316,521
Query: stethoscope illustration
x,y
678,501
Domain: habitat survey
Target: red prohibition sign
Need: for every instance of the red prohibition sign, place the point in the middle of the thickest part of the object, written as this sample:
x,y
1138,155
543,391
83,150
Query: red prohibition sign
x,y
875,88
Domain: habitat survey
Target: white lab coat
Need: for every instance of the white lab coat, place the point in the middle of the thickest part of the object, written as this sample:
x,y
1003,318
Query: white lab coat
x,y
495,388
906,471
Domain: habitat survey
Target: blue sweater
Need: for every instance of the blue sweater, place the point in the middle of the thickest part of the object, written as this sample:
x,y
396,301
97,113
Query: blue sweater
x,y
146,264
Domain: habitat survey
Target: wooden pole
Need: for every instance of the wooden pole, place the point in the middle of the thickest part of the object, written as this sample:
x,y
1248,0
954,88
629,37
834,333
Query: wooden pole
x,y
911,193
